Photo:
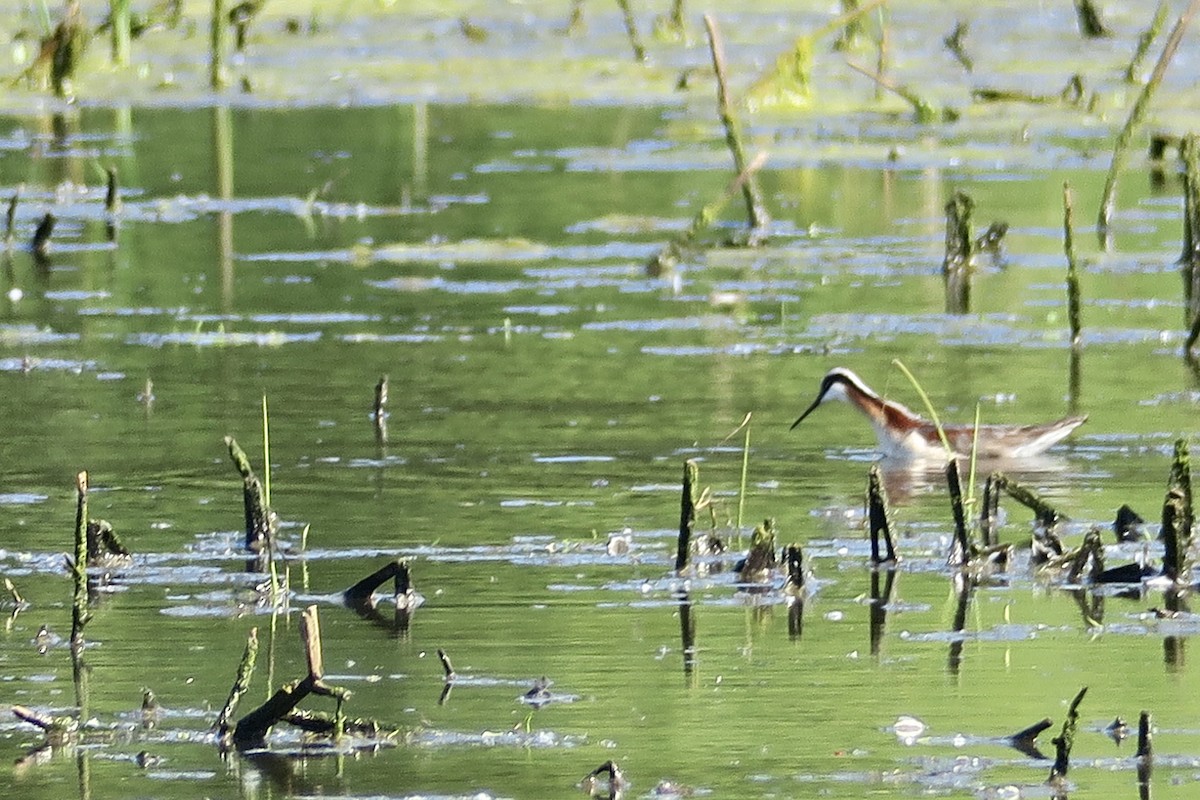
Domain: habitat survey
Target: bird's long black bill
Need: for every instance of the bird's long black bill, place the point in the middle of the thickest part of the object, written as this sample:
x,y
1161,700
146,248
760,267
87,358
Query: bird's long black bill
x,y
807,411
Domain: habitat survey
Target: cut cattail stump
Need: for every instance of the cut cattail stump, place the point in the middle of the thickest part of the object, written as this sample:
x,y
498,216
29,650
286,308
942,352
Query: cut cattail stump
x,y
41,237
1064,742
879,516
961,550
379,414
10,216
252,729
240,684
956,263
689,502
260,520
80,615
1178,519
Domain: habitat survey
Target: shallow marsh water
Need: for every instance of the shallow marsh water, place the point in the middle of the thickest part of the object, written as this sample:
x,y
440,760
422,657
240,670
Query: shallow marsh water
x,y
544,393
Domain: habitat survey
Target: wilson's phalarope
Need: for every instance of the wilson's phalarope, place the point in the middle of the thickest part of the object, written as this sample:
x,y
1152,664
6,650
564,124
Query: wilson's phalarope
x,y
905,435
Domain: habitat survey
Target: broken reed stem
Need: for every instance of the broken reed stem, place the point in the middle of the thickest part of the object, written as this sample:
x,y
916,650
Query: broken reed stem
x,y
793,560
1145,40
119,21
756,211
447,667
396,571
1072,270
956,264
687,513
878,514
240,683
1109,198
989,516
381,399
960,551
1177,519
79,603
112,191
1145,747
1090,23
41,236
10,217
1189,258
258,514
218,74
1065,740
635,41
1046,515
672,251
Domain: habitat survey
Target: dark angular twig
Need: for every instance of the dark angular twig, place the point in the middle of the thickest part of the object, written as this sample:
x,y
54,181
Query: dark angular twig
x,y
879,515
1065,741
1090,23
687,514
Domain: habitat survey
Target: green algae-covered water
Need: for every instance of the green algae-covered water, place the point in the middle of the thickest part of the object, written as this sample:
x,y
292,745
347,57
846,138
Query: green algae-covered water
x,y
485,250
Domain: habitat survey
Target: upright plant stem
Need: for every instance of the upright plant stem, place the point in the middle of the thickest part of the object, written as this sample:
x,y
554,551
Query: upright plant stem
x,y
1109,198
79,604
1072,271
218,76
119,20
756,211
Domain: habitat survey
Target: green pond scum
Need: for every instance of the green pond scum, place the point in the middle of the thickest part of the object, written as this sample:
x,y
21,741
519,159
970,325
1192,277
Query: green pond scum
x,y
423,229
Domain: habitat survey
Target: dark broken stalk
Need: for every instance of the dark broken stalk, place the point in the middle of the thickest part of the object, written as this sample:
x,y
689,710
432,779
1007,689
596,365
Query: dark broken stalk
x,y
610,770
10,216
447,667
1072,270
756,210
1064,741
960,244
989,516
397,571
379,414
1146,39
671,253
1189,258
687,512
41,236
635,41
960,551
879,515
79,603
1026,740
1108,198
252,729
1145,754
1177,519
259,521
1046,515
240,684
957,46
1090,23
